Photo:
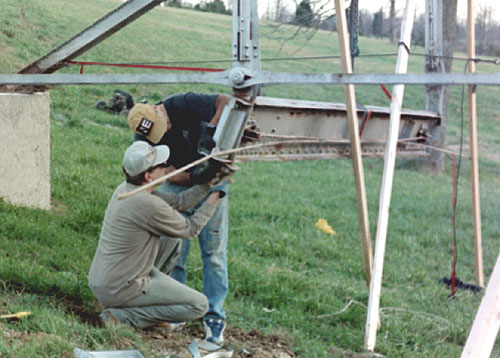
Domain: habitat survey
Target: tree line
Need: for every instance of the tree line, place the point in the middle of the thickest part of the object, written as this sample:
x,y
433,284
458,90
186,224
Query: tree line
x,y
487,30
382,25
216,6
314,14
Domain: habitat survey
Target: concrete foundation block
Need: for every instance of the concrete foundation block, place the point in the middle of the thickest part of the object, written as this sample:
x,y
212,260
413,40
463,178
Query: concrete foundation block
x,y
25,149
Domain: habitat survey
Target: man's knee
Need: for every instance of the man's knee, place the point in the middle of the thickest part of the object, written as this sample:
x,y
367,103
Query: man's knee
x,y
214,250
197,309
201,308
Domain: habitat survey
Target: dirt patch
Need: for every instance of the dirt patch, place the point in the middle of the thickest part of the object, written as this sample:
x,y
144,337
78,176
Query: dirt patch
x,y
245,344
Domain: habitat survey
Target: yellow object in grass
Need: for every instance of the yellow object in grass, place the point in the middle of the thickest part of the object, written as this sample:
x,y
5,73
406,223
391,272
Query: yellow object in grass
x,y
322,224
17,315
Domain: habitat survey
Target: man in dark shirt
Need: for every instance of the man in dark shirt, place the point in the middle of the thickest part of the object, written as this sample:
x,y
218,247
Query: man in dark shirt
x,y
177,122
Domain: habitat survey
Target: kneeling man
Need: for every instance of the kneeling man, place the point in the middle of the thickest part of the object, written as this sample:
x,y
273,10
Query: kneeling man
x,y
140,242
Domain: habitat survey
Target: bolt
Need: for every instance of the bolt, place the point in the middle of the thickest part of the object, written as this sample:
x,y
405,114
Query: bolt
x,y
237,77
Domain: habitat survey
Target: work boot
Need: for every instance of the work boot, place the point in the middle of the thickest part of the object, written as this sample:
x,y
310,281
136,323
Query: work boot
x,y
214,328
168,327
108,319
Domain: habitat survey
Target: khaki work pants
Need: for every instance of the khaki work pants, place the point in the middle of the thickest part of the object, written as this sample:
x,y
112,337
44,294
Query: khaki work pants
x,y
165,299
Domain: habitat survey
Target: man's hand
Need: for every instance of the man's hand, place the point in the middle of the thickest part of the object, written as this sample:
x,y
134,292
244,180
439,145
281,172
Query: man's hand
x,y
178,179
225,174
224,177
206,142
213,198
251,132
220,188
205,172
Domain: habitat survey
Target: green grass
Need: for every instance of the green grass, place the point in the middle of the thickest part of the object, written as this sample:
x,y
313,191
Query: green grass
x,y
285,276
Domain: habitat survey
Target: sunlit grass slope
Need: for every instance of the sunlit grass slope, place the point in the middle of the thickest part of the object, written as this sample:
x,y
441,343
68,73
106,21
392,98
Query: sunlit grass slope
x,y
285,275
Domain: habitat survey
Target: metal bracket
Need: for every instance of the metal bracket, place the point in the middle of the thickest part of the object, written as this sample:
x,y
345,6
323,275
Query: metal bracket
x,y
231,124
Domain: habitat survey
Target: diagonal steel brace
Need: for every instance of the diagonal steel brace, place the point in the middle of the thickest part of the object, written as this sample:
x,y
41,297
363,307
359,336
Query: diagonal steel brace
x,y
93,34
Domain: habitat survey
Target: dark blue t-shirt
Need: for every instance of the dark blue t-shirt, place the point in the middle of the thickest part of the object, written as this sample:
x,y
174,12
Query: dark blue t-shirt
x,y
186,111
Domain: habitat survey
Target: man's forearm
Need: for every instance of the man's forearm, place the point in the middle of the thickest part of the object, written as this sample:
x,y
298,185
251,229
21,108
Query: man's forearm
x,y
178,179
220,103
186,199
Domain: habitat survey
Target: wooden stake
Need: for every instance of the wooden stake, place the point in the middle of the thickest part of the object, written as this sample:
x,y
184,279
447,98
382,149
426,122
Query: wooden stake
x,y
387,178
241,149
487,322
357,162
476,209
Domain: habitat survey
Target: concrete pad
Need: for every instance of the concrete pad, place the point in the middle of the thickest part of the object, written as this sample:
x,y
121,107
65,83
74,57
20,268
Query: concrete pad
x,y
25,149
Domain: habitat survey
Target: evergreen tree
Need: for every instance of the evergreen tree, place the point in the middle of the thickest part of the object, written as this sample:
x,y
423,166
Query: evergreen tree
x,y
378,23
304,14
216,6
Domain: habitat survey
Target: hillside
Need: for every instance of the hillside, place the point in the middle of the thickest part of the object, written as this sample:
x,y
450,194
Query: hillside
x,y
293,290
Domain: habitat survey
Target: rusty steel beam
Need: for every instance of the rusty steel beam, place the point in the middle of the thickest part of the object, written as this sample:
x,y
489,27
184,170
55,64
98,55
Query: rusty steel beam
x,y
304,123
322,150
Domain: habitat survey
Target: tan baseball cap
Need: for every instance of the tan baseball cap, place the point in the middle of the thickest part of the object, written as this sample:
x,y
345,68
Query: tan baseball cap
x,y
140,156
144,120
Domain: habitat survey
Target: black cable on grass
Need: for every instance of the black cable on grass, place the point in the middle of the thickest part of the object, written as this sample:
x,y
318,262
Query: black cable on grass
x,y
454,279
460,151
459,164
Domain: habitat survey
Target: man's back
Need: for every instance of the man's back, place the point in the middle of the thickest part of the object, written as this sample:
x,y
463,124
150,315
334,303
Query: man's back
x,y
126,250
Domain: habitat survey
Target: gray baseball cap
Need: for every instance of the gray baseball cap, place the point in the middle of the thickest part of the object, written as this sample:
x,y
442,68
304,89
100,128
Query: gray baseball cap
x,y
141,156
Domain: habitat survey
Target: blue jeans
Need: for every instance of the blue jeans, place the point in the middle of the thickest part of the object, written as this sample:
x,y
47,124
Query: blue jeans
x,y
213,245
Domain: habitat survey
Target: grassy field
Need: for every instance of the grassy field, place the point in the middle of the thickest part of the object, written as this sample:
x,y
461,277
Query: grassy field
x,y
286,277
